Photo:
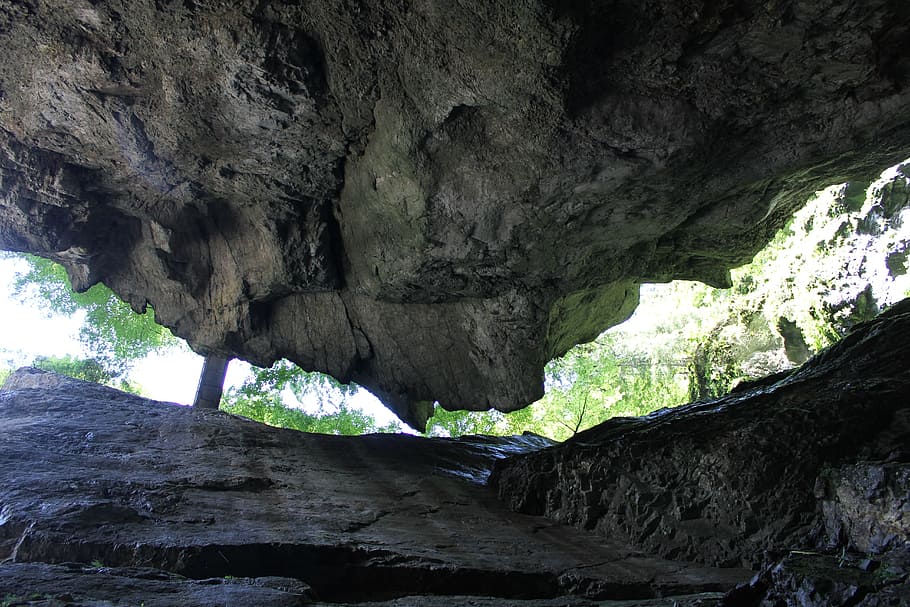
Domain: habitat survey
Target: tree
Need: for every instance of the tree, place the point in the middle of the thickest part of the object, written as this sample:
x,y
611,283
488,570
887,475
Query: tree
x,y
87,369
836,263
613,375
264,396
113,335
460,423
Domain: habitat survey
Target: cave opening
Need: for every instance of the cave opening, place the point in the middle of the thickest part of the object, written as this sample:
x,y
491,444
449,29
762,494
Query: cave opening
x,y
435,201
839,261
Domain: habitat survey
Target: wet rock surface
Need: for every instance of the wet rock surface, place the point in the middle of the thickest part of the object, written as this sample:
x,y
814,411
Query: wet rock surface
x,y
816,461
111,482
432,199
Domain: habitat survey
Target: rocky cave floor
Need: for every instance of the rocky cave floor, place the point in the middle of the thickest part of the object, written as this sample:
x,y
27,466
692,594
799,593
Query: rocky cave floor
x,y
790,491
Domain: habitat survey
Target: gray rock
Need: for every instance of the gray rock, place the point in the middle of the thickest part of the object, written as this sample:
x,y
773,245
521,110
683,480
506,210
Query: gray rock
x,y
807,579
92,475
866,506
816,460
431,199
75,585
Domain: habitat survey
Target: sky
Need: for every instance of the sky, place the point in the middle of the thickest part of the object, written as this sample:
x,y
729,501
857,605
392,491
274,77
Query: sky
x,y
27,331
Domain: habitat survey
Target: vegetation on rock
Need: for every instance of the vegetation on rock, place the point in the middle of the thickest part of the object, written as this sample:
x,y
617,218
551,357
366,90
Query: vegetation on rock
x,y
87,369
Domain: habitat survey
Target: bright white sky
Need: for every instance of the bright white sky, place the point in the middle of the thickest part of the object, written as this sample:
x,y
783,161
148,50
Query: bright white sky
x,y
27,331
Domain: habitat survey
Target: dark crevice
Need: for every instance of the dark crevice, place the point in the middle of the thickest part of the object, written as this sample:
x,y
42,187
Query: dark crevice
x,y
332,242
337,574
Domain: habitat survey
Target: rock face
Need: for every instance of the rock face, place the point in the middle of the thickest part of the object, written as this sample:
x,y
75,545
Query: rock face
x,y
815,461
106,496
432,199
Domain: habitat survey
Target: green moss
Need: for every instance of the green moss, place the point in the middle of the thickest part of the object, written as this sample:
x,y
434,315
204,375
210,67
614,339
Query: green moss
x,y
854,196
581,316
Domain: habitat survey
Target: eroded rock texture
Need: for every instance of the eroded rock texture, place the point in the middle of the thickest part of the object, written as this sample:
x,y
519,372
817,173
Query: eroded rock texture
x,y
114,482
430,198
816,461
108,498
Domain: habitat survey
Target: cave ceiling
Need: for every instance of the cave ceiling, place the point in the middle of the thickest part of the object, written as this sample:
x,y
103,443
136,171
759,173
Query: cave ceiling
x,y
429,198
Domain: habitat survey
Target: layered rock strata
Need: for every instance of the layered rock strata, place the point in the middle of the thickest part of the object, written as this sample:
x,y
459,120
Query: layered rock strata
x,y
108,497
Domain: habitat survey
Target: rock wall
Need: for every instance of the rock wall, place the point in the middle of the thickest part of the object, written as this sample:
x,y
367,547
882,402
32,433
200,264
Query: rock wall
x,y
790,492
432,199
816,461
108,498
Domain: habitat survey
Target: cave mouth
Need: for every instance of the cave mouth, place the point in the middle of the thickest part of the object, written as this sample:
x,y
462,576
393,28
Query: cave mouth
x,y
837,262
767,367
432,216
433,200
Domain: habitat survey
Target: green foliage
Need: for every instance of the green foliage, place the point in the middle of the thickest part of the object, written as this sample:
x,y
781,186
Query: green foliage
x,y
605,378
816,278
111,332
496,423
264,395
285,376
460,423
822,273
826,271
4,373
713,368
588,385
269,409
87,369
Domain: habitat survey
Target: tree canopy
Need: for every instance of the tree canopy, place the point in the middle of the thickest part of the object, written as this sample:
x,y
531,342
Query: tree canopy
x,y
277,395
113,336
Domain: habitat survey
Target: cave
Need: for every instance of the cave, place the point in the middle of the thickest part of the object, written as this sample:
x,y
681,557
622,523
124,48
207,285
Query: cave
x,y
433,199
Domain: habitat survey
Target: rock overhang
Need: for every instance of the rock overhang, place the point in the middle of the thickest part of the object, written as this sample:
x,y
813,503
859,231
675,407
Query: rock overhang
x,y
429,199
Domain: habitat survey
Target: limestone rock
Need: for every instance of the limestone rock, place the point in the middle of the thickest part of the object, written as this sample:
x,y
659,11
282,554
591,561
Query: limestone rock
x,y
74,585
815,460
810,579
96,477
866,505
432,199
